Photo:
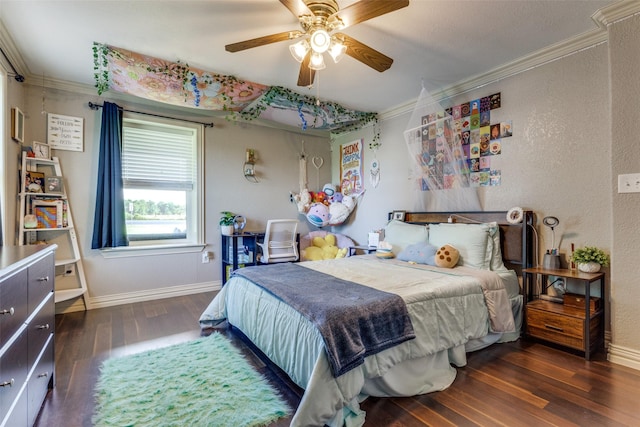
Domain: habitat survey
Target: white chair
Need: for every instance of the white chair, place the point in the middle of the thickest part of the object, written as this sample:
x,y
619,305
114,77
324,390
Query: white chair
x,y
280,241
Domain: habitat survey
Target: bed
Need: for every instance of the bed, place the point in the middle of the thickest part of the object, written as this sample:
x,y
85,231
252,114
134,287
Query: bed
x,y
450,312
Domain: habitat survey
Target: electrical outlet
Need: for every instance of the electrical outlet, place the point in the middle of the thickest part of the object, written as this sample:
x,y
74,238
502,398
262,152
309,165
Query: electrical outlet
x,y
629,183
205,257
69,270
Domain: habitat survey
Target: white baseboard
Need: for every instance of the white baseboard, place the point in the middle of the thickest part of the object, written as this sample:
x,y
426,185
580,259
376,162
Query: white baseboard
x,y
153,294
147,295
624,356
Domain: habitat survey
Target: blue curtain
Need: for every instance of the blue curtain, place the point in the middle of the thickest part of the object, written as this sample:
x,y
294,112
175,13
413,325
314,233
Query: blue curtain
x,y
109,227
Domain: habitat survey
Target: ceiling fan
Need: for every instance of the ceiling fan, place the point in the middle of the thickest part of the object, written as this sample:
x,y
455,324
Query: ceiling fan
x,y
320,19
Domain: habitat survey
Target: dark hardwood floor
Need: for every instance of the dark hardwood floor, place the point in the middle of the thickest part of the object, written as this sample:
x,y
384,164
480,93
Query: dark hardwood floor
x,y
516,384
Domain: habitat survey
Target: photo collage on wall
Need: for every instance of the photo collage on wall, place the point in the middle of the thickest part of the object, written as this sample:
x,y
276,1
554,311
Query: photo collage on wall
x,y
458,144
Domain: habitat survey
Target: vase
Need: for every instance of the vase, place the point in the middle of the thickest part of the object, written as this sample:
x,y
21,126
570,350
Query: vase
x,y
226,230
589,267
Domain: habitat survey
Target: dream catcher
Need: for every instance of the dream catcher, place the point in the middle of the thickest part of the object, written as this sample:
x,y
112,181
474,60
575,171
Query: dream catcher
x,y
374,172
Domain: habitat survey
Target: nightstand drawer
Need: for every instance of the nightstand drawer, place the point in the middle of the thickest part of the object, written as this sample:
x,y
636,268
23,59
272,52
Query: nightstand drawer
x,y
560,328
555,327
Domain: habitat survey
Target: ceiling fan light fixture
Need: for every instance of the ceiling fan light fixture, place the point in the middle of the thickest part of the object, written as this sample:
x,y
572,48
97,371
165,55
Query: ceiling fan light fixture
x,y
317,62
299,50
337,50
320,40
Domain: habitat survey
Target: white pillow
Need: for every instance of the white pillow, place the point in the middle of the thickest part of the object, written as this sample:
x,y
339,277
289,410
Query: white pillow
x,y
401,234
471,240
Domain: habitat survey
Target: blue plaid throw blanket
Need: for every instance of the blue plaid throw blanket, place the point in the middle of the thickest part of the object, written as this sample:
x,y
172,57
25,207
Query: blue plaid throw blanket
x,y
355,321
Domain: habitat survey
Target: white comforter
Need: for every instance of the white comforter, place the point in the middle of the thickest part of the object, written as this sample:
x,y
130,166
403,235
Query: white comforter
x,y
448,308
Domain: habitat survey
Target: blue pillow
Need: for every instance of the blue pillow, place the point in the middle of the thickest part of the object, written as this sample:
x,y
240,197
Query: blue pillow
x,y
420,253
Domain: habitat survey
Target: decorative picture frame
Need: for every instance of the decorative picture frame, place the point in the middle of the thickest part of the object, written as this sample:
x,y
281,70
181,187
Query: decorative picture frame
x,y
17,125
41,150
34,182
398,215
54,185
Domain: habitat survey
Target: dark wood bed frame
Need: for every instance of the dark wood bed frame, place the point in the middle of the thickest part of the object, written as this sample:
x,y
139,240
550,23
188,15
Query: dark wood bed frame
x,y
516,240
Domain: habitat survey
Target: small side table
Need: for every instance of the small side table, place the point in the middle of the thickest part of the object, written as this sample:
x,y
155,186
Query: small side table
x,y
366,249
578,328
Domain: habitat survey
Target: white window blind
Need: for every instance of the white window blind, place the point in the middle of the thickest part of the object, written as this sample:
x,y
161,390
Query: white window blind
x,y
158,156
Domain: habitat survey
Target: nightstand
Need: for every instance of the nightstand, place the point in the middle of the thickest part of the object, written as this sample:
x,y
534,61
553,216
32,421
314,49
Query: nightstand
x,y
579,324
353,250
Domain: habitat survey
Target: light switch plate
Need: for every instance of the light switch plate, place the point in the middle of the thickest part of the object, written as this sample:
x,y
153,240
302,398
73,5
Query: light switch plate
x,y
629,183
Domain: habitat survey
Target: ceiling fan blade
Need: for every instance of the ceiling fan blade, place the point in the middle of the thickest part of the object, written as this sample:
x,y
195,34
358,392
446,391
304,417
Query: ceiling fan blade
x,y
364,10
365,54
306,75
297,7
261,41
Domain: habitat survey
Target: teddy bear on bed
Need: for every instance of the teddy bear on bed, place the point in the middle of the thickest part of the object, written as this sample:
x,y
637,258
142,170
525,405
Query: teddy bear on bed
x,y
324,248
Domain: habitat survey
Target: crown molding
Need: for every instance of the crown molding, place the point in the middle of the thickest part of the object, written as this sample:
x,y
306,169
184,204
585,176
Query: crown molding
x,y
615,12
14,56
525,63
603,18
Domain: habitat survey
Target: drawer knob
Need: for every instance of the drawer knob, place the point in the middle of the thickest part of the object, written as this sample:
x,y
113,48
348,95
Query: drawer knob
x,y
46,326
43,279
7,383
10,312
43,375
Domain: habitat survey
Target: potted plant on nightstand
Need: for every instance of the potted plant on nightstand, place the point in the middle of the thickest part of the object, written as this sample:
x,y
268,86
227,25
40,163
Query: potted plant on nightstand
x,y
226,223
590,259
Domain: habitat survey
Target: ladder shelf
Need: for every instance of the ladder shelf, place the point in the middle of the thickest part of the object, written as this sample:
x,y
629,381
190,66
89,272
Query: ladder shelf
x,y
45,215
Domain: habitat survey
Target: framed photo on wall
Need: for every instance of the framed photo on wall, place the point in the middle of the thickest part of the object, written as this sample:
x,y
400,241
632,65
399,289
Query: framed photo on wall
x,y
398,215
17,125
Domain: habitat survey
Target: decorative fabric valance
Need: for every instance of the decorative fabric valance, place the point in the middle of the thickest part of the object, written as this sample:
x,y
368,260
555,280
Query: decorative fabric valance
x,y
177,83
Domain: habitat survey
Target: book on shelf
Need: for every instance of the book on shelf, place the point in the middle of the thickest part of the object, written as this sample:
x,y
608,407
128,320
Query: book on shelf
x,y
49,212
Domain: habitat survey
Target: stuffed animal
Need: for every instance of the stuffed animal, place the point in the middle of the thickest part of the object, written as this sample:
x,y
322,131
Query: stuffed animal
x,y
329,190
302,200
318,214
336,198
384,250
323,248
447,256
338,213
320,197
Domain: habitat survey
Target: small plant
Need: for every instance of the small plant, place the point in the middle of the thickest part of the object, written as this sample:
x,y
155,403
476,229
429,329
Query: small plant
x,y
590,254
227,218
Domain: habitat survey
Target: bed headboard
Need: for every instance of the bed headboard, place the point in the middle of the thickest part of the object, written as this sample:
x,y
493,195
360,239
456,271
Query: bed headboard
x,y
516,240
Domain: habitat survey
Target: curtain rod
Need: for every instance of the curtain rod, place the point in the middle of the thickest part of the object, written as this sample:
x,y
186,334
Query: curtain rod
x,y
19,77
207,125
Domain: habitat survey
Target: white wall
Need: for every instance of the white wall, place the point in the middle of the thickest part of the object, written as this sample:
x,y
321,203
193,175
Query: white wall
x,y
556,162
123,279
572,137
624,60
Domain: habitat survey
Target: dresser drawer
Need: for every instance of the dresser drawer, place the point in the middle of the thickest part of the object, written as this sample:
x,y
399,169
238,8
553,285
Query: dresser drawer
x,y
39,382
13,305
41,275
40,328
13,372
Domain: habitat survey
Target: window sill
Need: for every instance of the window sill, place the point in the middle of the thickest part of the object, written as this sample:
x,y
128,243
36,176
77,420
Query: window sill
x,y
131,251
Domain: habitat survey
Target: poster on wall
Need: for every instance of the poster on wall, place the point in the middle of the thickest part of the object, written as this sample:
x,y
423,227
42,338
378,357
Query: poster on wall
x,y
65,132
351,168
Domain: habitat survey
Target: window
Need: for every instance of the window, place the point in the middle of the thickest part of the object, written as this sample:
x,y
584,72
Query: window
x,y
162,174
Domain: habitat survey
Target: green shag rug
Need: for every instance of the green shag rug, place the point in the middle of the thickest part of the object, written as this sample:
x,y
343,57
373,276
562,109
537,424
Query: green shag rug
x,y
206,382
